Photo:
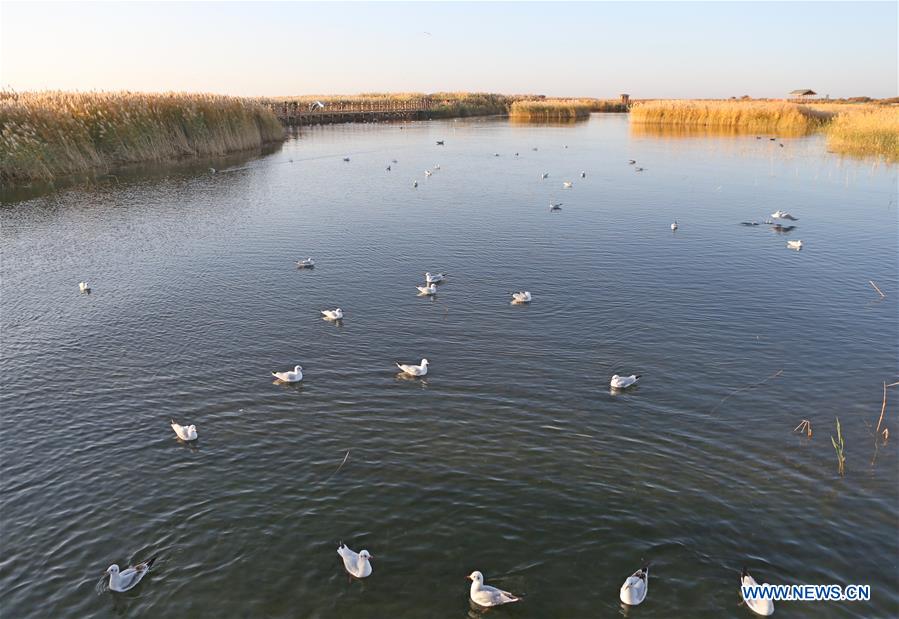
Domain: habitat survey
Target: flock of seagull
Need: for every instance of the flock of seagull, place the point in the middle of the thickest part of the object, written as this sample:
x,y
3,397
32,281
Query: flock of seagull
x,y
358,565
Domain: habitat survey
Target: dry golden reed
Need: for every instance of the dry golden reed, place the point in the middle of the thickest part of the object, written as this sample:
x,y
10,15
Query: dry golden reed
x,y
50,134
872,130
763,116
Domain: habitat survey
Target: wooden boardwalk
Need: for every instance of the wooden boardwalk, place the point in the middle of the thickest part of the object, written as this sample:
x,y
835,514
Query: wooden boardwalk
x,y
297,113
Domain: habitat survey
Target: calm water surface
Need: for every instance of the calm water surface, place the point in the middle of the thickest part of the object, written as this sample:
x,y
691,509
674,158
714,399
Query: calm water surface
x,y
512,457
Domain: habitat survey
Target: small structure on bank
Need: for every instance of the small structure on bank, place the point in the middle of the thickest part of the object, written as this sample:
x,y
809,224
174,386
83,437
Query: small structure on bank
x,y
803,94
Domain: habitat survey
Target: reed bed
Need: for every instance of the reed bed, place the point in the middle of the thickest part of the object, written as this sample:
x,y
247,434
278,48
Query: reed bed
x,y
872,130
762,116
50,134
550,109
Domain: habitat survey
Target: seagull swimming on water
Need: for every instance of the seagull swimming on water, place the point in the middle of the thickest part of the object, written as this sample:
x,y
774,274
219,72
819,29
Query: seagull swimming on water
x,y
634,589
334,314
544,176
415,183
674,225
555,206
485,595
756,605
291,376
522,296
434,278
427,289
583,175
185,433
567,184
128,578
356,564
305,263
84,287
623,382
414,370
797,244
428,172
346,158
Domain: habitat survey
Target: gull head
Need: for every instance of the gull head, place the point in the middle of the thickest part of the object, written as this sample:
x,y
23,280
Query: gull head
x,y
477,577
297,368
424,362
191,429
615,377
365,555
112,569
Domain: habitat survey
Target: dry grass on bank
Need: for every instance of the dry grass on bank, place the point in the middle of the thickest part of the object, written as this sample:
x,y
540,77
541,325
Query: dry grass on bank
x,y
868,131
763,116
47,135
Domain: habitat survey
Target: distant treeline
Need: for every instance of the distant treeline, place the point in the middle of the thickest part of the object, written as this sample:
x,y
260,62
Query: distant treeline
x,y
46,135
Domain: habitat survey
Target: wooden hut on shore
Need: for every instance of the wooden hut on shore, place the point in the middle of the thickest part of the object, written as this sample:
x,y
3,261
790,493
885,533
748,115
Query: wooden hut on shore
x,y
803,94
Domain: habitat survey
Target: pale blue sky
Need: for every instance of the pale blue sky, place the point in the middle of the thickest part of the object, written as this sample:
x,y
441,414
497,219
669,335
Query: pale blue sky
x,y
648,49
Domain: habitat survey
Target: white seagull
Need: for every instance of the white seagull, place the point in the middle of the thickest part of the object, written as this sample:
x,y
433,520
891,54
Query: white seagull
x,y
674,225
778,214
545,175
436,166
185,433
433,279
414,370
294,376
84,287
756,605
316,105
305,263
522,296
428,172
334,314
485,595
415,183
427,289
634,589
128,579
567,185
794,244
583,175
623,382
356,564
555,206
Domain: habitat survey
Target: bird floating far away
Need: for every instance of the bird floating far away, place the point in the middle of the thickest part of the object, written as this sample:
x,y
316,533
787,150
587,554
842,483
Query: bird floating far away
x,y
128,579
555,206
84,287
522,296
567,185
305,263
433,278
485,595
427,289
357,565
414,370
185,433
797,244
674,225
334,314
291,376
623,382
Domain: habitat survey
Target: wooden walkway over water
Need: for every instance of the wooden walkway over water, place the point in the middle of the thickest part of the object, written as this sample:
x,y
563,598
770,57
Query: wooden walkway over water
x,y
296,113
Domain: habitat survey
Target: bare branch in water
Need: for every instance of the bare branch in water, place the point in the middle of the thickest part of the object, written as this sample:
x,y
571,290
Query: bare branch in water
x,y
735,392
805,426
879,291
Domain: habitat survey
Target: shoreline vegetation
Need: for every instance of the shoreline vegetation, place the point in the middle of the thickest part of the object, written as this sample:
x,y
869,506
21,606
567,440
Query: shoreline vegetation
x,y
45,136
853,128
48,135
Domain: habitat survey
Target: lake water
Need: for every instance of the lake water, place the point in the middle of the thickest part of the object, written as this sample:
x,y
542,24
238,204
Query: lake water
x,y
512,457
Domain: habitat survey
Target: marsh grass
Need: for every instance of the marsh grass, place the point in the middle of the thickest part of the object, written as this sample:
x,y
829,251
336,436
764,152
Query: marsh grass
x,y
550,109
870,130
839,446
50,134
762,116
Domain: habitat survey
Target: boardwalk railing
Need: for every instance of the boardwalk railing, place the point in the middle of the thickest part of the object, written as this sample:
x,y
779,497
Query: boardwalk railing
x,y
373,110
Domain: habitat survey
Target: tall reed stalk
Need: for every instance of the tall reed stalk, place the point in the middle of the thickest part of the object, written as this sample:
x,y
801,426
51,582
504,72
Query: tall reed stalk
x,y
46,135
